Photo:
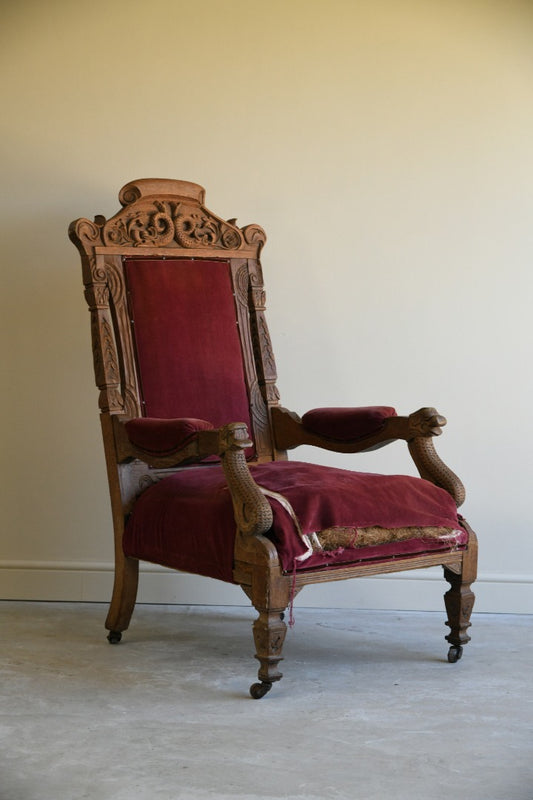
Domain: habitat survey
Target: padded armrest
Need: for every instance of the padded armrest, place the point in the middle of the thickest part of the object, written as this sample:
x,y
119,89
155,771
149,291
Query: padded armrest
x,y
347,424
163,435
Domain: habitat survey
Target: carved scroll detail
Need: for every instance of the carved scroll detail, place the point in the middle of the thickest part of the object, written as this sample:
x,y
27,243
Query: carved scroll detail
x,y
115,283
129,194
163,223
98,271
241,285
254,234
164,213
86,232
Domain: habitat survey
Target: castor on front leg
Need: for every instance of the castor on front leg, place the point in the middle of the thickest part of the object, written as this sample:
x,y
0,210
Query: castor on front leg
x,y
454,653
258,690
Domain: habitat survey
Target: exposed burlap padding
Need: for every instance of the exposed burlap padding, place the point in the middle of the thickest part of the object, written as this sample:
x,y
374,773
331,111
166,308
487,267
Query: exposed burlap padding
x,y
332,538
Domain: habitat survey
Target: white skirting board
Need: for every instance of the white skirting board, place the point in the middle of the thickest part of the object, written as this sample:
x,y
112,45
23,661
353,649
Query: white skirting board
x,y
417,590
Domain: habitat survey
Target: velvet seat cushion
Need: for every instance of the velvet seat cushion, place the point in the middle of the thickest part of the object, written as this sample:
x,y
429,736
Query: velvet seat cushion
x,y
346,424
186,520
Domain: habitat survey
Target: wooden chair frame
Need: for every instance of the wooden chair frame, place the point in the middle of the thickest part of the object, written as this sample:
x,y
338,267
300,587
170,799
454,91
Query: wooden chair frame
x,y
168,219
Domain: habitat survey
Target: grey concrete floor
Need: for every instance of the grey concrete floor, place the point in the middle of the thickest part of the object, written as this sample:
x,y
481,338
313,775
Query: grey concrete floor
x,y
368,708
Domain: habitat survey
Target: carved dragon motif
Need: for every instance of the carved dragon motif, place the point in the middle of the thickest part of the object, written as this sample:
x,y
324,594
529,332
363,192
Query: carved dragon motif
x,y
426,422
253,513
163,223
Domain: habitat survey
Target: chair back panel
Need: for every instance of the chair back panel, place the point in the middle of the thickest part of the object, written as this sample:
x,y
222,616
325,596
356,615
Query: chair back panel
x,y
189,356
178,322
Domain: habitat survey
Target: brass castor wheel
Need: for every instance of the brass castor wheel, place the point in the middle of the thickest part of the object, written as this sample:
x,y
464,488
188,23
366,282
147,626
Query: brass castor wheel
x,y
258,690
454,653
114,637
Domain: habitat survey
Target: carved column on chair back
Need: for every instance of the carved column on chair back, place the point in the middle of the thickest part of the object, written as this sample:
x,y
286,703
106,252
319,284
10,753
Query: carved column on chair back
x,y
264,352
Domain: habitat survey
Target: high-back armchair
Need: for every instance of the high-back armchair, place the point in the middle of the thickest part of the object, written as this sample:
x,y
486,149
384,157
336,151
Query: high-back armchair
x,y
196,440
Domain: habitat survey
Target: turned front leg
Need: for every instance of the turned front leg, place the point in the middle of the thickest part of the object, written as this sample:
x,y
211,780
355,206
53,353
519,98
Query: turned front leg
x,y
459,601
269,635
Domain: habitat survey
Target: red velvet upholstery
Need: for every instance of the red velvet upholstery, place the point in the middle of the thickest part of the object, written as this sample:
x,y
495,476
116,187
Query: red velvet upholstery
x,y
188,350
163,435
180,342
186,521
346,424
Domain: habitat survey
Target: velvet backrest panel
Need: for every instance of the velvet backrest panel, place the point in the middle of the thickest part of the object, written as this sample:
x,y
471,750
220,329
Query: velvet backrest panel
x,y
189,355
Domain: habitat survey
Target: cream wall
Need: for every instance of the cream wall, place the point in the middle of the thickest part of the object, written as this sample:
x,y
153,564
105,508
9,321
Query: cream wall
x,y
384,145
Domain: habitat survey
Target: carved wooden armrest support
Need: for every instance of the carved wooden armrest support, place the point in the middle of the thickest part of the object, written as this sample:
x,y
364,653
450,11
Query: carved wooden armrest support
x,y
253,513
421,427
290,431
432,468
252,510
418,430
425,422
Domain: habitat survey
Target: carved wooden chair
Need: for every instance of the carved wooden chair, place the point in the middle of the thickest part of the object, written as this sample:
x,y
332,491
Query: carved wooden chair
x,y
196,440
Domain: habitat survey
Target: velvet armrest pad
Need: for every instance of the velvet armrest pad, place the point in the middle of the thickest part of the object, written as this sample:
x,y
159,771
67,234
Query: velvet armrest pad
x,y
163,435
346,424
